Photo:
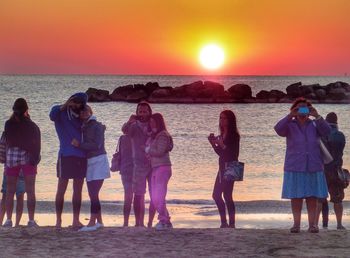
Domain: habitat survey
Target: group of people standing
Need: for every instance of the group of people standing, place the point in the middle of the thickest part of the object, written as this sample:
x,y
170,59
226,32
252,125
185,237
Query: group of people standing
x,y
305,175
144,151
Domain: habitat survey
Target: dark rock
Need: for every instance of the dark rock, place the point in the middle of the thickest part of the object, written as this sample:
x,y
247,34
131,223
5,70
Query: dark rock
x,y
321,93
306,90
137,96
151,86
311,95
294,91
263,94
121,93
193,90
277,94
96,95
240,91
337,90
162,93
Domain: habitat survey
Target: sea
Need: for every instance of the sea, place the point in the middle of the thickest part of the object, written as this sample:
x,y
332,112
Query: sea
x,y
195,164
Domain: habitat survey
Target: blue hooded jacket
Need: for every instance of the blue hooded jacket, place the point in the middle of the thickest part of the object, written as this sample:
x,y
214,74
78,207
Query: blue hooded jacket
x,y
68,127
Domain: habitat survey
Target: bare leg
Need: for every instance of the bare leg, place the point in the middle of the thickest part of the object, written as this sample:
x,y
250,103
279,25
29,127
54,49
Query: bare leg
x,y
128,195
2,208
30,190
139,209
151,213
10,193
311,205
76,201
94,188
61,190
319,209
338,210
297,205
19,208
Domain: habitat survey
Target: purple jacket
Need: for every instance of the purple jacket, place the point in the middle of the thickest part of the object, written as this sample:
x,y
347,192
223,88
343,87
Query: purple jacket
x,y
303,152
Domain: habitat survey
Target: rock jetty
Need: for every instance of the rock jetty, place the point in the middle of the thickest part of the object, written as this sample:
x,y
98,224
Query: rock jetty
x,y
212,92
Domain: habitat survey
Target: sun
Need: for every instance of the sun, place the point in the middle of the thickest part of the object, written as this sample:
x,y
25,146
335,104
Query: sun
x,y
212,56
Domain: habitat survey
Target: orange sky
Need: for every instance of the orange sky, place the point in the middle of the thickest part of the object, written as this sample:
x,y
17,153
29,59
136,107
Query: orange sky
x,y
259,37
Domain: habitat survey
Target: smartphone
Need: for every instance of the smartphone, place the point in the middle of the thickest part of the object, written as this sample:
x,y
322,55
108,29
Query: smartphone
x,y
303,110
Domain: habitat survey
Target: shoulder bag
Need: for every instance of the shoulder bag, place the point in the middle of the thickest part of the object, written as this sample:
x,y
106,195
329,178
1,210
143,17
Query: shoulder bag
x,y
326,155
234,171
343,176
3,148
116,159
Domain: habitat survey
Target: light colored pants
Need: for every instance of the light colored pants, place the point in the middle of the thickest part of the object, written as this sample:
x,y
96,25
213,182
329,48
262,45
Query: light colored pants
x,y
159,185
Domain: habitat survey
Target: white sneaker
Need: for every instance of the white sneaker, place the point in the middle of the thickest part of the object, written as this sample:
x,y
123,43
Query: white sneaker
x,y
7,224
88,229
99,225
163,226
32,224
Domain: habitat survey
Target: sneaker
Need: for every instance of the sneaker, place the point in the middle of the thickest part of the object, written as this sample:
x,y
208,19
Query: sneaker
x,y
32,224
341,227
8,223
88,229
224,225
99,225
163,226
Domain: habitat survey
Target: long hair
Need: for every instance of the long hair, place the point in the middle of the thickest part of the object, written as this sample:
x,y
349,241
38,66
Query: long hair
x,y
160,123
19,109
232,130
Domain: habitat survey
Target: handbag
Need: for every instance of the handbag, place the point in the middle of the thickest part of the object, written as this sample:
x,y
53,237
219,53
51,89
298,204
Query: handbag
x,y
343,176
326,155
234,171
3,148
116,159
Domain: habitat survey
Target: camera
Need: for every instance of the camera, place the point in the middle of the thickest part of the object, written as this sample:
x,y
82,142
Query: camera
x,y
303,110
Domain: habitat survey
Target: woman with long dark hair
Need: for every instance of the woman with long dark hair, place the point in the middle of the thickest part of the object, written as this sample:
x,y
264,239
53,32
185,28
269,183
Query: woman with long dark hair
x,y
23,145
226,145
158,150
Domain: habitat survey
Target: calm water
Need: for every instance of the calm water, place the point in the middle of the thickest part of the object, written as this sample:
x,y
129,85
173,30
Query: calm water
x,y
194,162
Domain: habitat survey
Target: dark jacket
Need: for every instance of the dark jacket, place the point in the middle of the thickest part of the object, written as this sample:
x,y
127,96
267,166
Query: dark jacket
x,y
230,153
125,150
24,134
335,143
68,128
93,138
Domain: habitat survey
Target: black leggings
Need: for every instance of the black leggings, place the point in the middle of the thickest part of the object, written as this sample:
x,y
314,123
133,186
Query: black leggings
x,y
225,188
94,188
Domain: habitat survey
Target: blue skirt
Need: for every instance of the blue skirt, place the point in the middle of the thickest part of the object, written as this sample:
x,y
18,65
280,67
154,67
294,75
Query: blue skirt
x,y
304,184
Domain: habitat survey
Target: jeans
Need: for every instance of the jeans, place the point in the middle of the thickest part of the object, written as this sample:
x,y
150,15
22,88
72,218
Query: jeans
x,y
159,185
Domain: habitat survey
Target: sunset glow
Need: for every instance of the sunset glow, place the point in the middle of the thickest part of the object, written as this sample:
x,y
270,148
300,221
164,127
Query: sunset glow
x,y
212,57
161,37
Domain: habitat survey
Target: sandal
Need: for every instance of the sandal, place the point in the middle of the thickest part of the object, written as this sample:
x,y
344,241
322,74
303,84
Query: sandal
x,y
295,229
313,229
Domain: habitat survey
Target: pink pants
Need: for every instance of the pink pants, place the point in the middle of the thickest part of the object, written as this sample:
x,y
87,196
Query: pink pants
x,y
159,185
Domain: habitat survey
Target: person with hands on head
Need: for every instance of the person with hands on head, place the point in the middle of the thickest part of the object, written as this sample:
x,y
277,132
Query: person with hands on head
x,y
138,129
226,145
303,167
71,162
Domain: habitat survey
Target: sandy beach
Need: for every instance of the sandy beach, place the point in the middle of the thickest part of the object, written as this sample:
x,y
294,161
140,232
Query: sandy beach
x,y
262,231
136,242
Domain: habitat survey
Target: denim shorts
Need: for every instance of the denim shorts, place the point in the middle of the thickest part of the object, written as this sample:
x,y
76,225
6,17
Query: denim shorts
x,y
20,188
